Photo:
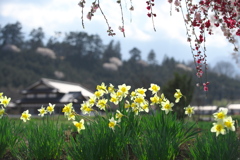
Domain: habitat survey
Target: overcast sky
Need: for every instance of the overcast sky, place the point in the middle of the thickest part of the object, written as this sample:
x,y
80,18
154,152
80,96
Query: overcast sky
x,y
65,16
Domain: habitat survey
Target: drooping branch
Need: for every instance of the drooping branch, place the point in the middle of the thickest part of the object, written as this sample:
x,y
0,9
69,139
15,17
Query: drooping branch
x,y
150,4
110,30
200,19
121,28
82,4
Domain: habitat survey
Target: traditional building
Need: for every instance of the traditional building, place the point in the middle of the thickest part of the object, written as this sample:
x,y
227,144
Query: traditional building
x,y
234,109
56,92
205,110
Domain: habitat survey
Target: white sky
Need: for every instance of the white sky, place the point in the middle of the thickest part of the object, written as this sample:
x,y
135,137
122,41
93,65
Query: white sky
x,y
65,16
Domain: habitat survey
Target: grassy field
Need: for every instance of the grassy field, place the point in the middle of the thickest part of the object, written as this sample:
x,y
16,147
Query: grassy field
x,y
137,137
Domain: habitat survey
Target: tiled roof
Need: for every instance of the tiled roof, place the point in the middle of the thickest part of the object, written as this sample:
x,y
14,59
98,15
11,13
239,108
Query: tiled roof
x,y
63,86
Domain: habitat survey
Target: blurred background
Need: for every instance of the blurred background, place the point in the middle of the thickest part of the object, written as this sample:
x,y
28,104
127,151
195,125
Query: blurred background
x,y
45,39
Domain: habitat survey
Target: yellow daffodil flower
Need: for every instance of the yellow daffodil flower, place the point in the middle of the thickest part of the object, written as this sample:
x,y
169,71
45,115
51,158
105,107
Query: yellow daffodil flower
x,y
1,95
80,125
86,108
5,101
99,94
141,92
71,116
50,108
154,88
114,98
218,128
189,110
133,95
110,88
154,100
120,95
101,104
229,123
42,111
167,106
25,116
145,106
102,87
221,114
2,111
119,115
136,109
139,100
124,89
67,109
127,105
92,100
178,95
162,98
112,123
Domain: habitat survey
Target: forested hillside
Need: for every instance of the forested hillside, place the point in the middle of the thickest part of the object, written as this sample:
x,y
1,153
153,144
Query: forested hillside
x,y
83,58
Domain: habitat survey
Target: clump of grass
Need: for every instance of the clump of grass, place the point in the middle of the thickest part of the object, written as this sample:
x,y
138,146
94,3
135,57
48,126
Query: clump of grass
x,y
161,138
42,140
10,135
98,142
225,144
208,147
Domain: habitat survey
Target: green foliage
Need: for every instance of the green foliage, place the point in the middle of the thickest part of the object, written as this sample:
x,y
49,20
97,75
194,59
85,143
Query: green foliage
x,y
161,137
143,137
42,140
184,83
111,51
11,34
204,126
209,147
152,57
10,135
135,54
98,141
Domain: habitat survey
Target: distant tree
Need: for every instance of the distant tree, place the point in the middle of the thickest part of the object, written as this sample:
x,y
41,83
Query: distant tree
x,y
95,47
36,38
76,42
184,83
168,61
11,34
56,46
112,51
82,50
135,54
152,57
81,44
117,49
224,68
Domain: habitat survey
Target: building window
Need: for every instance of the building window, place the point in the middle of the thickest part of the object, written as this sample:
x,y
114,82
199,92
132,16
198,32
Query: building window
x,y
30,95
52,95
41,95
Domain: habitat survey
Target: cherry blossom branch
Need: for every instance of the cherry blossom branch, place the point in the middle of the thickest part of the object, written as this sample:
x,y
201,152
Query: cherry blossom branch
x,y
131,9
81,4
226,16
201,59
121,27
150,3
110,31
